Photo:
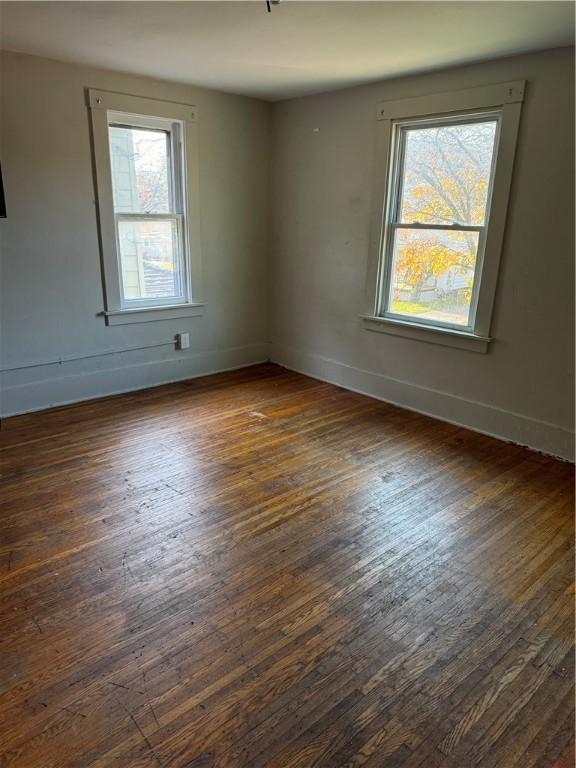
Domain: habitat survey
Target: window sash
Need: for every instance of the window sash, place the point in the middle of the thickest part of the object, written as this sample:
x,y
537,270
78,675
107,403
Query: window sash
x,y
392,220
447,227
176,158
469,327
403,127
179,260
177,203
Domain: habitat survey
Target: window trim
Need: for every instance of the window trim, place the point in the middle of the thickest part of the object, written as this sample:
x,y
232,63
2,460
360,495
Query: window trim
x,y
147,112
505,99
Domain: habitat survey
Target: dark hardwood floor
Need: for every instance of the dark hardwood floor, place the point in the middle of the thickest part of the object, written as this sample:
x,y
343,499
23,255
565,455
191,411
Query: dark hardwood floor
x,y
258,570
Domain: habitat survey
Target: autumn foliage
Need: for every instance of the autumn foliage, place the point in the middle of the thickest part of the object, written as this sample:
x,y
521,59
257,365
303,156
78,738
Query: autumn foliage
x,y
445,182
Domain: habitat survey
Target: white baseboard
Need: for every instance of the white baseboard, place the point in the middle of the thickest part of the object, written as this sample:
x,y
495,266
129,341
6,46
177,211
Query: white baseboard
x,y
479,417
67,388
74,387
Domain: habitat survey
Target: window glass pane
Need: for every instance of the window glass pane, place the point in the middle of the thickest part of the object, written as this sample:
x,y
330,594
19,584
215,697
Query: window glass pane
x,y
140,175
432,275
150,266
447,173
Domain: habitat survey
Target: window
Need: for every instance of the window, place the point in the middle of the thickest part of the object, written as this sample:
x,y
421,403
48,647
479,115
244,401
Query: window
x,y
441,213
146,173
148,209
438,219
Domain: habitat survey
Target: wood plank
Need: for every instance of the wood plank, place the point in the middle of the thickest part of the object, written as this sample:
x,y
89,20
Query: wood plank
x,y
260,570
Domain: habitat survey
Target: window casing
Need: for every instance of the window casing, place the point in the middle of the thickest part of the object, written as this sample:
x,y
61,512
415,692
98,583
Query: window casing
x,y
444,170
145,154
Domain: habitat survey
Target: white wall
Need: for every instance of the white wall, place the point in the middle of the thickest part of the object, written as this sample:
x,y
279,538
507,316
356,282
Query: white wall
x,y
50,279
323,164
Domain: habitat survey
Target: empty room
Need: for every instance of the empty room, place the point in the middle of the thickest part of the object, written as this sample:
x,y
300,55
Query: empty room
x,y
287,384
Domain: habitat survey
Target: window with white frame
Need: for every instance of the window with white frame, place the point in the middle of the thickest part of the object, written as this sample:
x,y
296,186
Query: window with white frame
x,y
441,212
146,173
439,208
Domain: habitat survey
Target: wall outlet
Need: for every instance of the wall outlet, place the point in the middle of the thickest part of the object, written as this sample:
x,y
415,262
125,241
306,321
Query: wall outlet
x,y
182,340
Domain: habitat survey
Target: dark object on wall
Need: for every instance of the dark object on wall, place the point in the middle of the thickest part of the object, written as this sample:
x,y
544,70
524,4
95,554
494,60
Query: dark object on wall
x,y
2,198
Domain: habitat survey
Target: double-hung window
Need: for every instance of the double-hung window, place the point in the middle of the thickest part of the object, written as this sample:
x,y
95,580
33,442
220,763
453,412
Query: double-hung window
x,y
445,168
146,172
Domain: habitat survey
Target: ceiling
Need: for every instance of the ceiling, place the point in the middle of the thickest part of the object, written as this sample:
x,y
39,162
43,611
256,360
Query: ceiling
x,y
298,48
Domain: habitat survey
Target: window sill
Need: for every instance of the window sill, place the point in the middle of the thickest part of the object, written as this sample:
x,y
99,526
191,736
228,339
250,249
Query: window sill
x,y
152,314
448,337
